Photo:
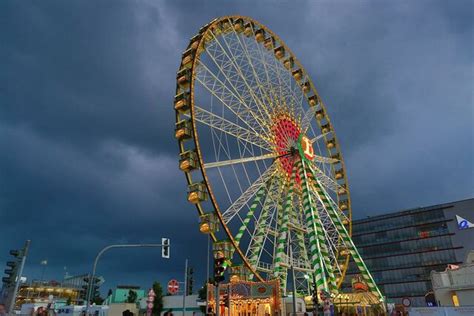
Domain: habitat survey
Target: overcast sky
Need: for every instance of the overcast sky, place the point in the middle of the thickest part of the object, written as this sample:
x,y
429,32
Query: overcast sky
x,y
87,154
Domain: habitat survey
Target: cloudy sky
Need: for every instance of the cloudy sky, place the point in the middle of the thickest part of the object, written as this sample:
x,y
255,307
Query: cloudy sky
x,y
87,154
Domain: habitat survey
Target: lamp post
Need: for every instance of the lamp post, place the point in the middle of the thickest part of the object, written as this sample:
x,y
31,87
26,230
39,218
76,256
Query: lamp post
x,y
94,267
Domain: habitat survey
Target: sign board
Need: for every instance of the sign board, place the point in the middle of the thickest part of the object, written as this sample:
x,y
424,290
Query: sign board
x,y
463,223
173,286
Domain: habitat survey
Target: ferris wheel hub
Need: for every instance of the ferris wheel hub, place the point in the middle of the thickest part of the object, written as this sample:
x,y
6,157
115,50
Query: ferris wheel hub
x,y
305,146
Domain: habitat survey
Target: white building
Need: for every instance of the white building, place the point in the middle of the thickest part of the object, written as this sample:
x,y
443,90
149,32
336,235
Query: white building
x,y
455,285
174,303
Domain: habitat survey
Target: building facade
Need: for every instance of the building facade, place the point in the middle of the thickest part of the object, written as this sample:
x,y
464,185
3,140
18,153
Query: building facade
x,y
120,294
402,248
455,285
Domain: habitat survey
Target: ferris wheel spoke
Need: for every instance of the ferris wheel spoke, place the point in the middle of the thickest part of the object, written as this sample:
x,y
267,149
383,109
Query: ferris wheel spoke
x,y
276,74
329,229
319,137
219,123
328,197
233,73
240,202
307,118
273,86
324,179
261,231
270,86
238,51
325,159
240,160
229,99
242,78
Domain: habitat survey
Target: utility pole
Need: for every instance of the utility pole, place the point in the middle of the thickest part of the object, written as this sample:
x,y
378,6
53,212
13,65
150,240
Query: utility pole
x,y
185,285
218,300
294,281
18,277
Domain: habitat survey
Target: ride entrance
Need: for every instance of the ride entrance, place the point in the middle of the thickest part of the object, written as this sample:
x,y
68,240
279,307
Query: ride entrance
x,y
262,161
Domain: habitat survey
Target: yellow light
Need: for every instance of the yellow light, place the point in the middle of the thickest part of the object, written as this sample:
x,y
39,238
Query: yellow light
x,y
180,104
234,278
180,133
193,197
455,300
184,165
204,228
187,59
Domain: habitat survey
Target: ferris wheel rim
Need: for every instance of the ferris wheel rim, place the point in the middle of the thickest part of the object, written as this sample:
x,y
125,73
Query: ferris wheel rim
x,y
202,166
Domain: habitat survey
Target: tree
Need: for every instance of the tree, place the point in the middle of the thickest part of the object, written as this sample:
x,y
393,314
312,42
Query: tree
x,y
202,294
69,301
158,303
132,296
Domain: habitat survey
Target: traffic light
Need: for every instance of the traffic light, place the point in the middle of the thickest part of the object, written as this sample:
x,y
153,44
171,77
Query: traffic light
x,y
220,265
12,268
94,284
190,279
165,248
83,293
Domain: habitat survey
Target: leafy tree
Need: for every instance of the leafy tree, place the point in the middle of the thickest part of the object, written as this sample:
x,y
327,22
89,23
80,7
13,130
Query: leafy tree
x,y
202,293
132,296
69,301
158,303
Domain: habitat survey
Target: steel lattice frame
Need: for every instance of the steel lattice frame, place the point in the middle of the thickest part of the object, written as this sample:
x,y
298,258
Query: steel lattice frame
x,y
259,151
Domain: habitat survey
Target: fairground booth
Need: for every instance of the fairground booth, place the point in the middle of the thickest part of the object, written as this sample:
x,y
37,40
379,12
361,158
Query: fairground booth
x,y
245,298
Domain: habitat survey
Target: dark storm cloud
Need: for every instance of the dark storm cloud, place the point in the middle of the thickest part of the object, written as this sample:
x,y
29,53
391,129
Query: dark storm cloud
x,y
87,154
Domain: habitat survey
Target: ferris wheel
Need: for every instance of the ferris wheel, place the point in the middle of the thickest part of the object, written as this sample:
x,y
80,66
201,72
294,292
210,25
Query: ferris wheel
x,y
262,160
